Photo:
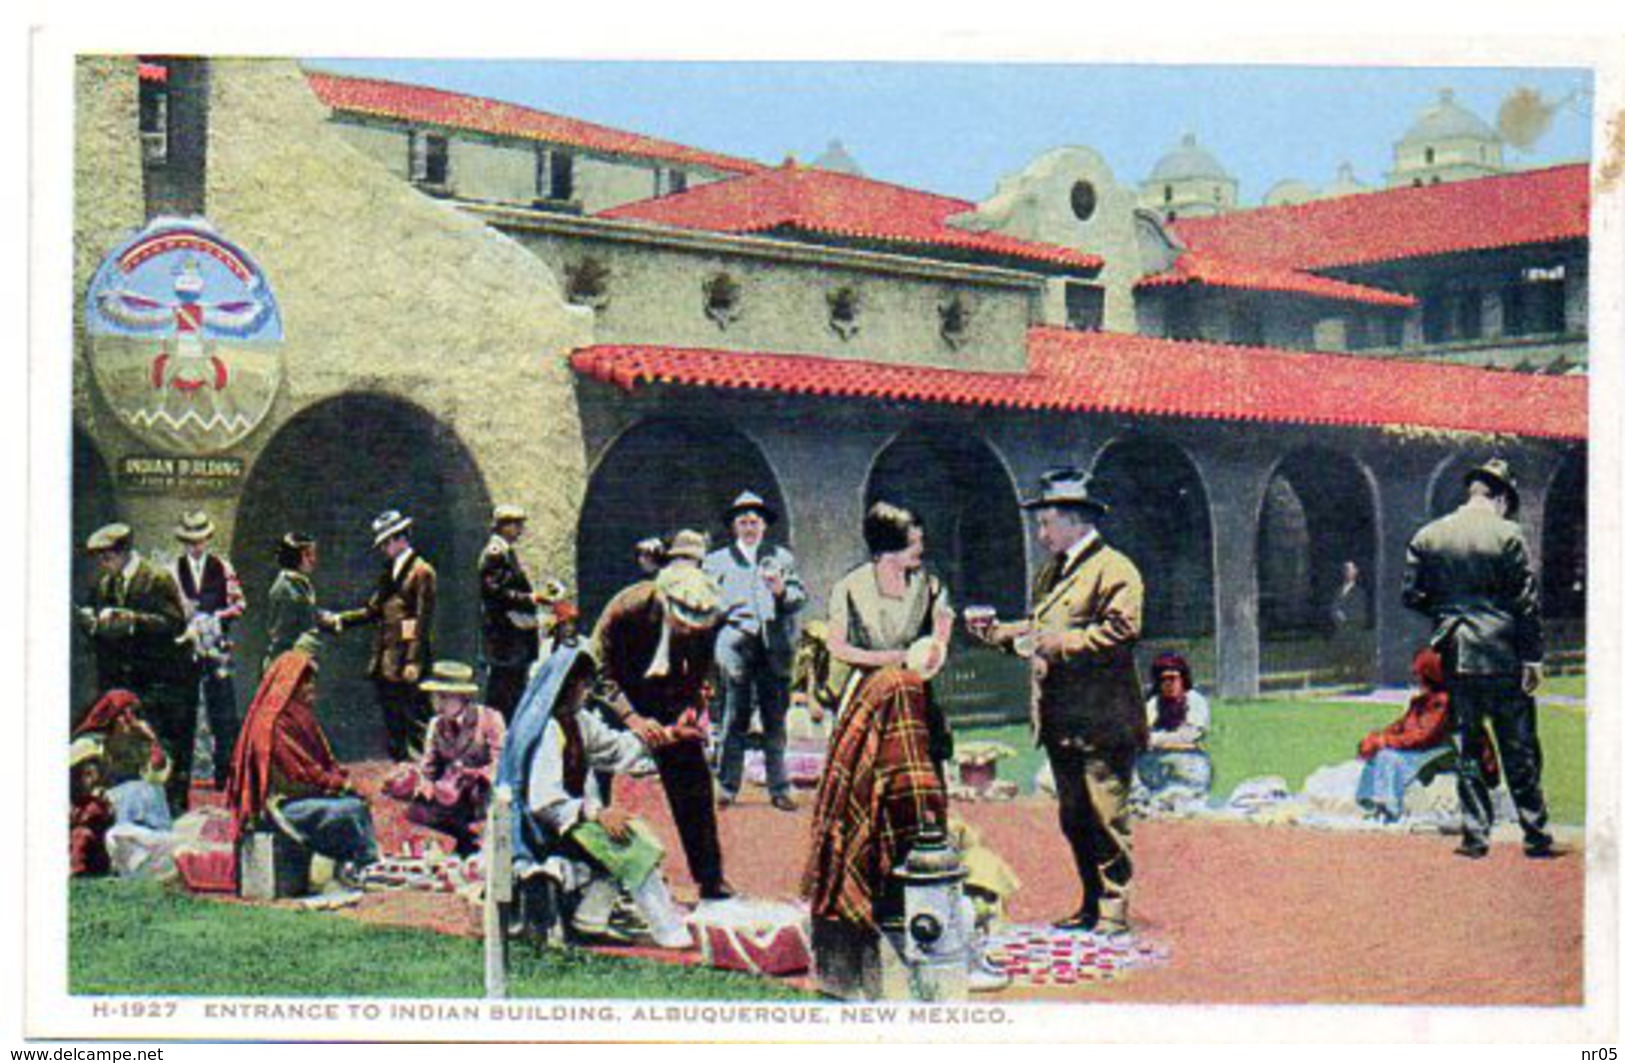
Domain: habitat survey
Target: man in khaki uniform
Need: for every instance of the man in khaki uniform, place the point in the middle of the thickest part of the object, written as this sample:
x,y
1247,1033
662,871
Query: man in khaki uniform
x,y
1088,708
403,609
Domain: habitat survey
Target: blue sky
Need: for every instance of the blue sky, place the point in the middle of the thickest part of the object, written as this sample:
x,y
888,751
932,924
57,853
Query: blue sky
x,y
956,128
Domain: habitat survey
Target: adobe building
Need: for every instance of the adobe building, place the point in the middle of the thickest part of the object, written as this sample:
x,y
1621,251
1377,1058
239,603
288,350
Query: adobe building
x,y
482,302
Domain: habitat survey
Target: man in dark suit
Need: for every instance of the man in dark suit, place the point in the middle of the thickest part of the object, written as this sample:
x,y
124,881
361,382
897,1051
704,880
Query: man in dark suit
x,y
403,609
1088,704
1469,572
508,613
137,620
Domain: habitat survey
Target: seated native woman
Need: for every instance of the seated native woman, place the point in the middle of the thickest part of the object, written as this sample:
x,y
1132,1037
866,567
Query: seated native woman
x,y
90,814
283,771
1397,754
1174,772
564,829
134,764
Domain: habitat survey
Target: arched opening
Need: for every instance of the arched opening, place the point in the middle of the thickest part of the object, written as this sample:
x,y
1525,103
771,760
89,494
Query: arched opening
x,y
974,543
1317,529
1448,489
328,472
1160,520
658,477
1563,556
95,503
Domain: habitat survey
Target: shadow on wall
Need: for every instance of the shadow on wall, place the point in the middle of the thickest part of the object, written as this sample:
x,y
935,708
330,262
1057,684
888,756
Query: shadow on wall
x,y
656,478
328,472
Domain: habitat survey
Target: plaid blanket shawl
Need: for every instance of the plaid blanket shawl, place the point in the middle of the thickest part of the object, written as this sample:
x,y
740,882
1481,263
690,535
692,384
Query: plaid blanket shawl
x,y
879,788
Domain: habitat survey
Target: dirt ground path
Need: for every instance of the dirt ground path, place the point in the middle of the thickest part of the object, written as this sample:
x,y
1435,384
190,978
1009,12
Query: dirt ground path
x,y
1256,914
1251,914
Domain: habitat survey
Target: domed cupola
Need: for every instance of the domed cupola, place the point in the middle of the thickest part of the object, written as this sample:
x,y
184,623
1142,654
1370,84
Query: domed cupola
x,y
1188,182
1447,142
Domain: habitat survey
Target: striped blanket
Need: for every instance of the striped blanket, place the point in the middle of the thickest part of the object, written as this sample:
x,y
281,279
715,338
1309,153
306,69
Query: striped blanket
x,y
879,788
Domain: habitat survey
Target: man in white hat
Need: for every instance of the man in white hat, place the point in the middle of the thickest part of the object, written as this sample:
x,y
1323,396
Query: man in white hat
x,y
1080,638
214,600
1469,572
654,643
761,598
403,608
137,621
508,612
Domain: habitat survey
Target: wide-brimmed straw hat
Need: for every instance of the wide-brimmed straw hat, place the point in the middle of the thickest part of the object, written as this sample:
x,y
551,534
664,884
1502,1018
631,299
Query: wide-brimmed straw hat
x,y
690,594
194,527
450,677
387,525
688,544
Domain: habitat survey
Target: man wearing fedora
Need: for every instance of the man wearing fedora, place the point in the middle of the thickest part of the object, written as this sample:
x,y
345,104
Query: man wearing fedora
x,y
452,781
403,608
1086,610
137,621
214,600
655,642
761,597
508,610
1469,572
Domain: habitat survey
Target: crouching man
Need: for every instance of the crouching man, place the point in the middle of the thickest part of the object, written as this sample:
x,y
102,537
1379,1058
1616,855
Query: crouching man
x,y
564,831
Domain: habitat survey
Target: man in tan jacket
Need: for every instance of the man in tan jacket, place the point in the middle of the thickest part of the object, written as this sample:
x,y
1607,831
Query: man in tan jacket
x,y
1088,709
403,609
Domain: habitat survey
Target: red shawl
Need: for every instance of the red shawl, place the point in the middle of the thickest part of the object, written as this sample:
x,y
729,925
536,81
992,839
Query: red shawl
x,y
1426,723
113,707
281,744
879,788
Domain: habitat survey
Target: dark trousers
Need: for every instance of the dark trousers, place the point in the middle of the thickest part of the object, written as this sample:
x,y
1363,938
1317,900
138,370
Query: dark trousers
x,y
686,778
219,694
406,717
1092,787
504,686
1478,703
755,690
171,709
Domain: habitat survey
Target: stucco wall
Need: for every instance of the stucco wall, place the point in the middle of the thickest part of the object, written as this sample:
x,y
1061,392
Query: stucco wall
x,y
656,295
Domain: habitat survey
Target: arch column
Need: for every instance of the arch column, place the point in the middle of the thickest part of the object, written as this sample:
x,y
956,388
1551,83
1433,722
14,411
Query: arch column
x,y
1404,483
1236,475
822,474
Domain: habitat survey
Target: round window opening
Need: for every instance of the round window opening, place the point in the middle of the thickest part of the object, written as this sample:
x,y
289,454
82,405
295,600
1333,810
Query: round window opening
x,y
1083,200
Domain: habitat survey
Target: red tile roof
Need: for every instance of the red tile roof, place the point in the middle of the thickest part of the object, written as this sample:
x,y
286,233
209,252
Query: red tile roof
x,y
417,103
1118,373
1195,267
1507,210
836,204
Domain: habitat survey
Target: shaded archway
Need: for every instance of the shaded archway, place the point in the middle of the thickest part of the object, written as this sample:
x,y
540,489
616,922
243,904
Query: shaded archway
x,y
1160,520
95,503
1318,516
960,490
657,477
1448,488
1563,555
329,471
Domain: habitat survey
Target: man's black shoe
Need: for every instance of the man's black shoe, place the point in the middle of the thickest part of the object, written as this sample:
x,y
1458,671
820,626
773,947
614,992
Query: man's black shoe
x,y
1543,850
1079,920
716,891
1473,850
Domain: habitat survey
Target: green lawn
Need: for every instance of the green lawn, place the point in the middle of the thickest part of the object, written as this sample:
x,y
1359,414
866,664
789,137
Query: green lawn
x,y
137,937
1291,737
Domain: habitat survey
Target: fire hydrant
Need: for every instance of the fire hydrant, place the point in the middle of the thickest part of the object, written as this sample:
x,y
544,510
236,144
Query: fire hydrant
x,y
936,934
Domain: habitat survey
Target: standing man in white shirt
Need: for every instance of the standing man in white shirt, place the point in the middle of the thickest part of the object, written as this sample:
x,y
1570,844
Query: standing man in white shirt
x,y
214,600
762,595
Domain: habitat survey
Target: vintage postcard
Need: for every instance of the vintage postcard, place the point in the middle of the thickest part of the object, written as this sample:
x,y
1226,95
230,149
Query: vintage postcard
x,y
973,548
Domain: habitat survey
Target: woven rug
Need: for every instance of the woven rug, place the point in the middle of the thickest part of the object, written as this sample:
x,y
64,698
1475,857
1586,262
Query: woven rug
x,y
1044,956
